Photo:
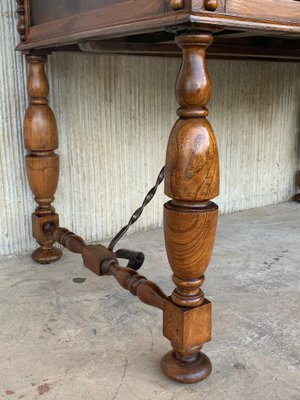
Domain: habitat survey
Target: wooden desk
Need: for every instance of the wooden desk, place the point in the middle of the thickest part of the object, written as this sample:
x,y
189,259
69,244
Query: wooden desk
x,y
193,29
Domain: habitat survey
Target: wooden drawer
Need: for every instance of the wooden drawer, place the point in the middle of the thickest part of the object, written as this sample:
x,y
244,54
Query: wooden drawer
x,y
43,11
275,10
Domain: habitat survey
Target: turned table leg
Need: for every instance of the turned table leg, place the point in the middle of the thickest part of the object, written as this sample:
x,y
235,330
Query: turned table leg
x,y
190,218
42,163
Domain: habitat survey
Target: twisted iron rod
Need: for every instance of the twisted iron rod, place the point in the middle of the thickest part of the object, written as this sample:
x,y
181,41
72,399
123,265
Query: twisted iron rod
x,y
136,215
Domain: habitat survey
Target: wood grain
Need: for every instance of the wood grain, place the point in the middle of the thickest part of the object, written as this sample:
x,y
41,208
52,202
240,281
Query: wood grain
x,y
42,163
190,219
188,368
148,292
187,328
287,10
64,22
191,174
43,11
192,165
191,234
107,14
68,239
101,261
192,157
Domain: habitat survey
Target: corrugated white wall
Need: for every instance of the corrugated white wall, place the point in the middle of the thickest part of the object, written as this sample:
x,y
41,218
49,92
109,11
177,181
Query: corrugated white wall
x,y
114,116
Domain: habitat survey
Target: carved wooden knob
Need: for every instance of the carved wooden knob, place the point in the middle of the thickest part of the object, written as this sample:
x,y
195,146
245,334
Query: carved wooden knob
x,y
211,5
177,4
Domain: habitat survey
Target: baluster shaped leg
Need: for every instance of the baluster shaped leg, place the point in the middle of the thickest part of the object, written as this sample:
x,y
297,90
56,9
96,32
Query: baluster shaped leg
x,y
42,164
190,218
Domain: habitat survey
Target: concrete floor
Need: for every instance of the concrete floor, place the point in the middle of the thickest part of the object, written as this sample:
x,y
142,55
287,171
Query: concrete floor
x,y
94,341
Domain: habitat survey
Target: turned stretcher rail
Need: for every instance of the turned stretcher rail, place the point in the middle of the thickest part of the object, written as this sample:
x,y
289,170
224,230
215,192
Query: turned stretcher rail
x,y
147,291
102,261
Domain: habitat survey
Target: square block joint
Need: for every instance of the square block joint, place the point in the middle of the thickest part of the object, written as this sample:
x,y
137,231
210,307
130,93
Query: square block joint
x,y
94,255
38,226
187,327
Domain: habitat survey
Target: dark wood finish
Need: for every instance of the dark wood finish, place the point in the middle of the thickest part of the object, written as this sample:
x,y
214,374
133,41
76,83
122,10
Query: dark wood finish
x,y
42,163
180,325
190,219
189,232
272,49
21,27
102,261
186,328
93,257
278,10
148,292
267,29
62,22
67,239
58,9
43,11
104,13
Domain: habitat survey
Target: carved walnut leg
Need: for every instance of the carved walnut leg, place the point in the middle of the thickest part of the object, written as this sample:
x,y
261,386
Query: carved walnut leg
x,y
42,164
190,218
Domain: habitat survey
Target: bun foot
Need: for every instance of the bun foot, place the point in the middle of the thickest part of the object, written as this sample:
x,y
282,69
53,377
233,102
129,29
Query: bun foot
x,y
46,256
186,369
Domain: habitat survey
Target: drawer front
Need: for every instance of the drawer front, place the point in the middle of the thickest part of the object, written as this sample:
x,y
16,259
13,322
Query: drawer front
x,y
42,11
275,10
